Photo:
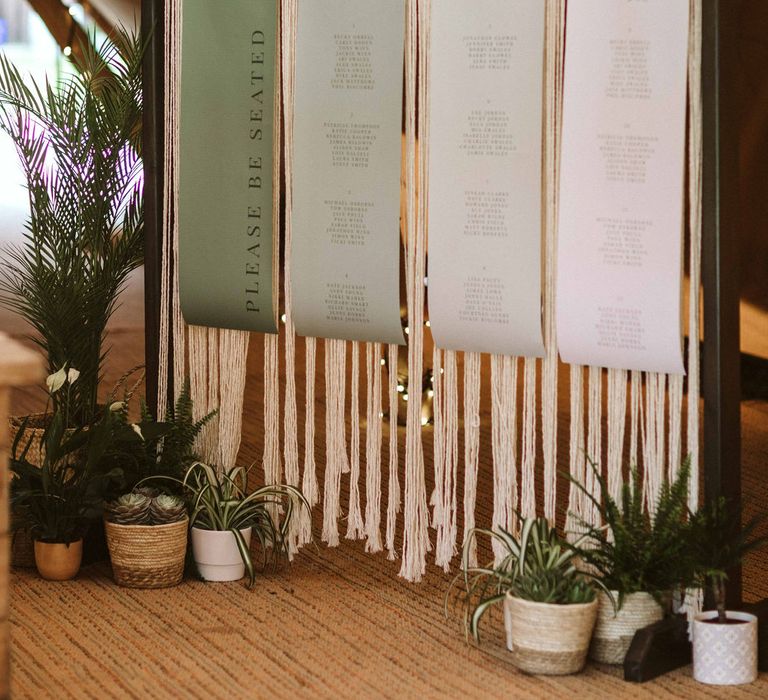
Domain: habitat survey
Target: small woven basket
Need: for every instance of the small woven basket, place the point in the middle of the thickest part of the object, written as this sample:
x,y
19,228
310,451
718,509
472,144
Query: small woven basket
x,y
147,556
615,630
548,639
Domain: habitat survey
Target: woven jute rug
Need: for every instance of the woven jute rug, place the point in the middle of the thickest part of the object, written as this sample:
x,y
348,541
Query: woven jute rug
x,y
336,623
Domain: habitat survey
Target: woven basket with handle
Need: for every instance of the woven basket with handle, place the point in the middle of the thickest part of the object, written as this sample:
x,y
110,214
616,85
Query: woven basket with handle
x,y
147,556
547,639
615,630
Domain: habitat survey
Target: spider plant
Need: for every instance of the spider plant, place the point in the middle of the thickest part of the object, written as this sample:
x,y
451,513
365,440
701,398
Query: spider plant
x,y
79,144
220,500
539,566
634,551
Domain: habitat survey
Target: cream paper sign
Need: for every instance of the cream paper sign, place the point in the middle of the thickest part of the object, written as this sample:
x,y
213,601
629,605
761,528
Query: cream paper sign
x,y
346,184
485,188
621,188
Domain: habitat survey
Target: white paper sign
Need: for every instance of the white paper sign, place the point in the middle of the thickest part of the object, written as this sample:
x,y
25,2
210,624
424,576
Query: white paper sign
x,y
621,187
485,188
347,156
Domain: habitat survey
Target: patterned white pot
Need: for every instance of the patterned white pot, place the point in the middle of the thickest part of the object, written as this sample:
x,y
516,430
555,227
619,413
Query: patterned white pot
x,y
615,630
725,654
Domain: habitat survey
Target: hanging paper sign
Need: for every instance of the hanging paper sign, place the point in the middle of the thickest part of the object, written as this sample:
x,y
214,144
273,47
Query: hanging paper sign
x,y
227,118
346,183
485,88
621,187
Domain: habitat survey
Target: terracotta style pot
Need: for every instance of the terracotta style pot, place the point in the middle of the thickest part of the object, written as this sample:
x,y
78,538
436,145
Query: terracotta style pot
x,y
547,639
216,554
725,654
615,629
58,562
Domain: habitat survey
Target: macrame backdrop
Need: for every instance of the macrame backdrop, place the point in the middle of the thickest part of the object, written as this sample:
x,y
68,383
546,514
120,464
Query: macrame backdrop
x,y
657,413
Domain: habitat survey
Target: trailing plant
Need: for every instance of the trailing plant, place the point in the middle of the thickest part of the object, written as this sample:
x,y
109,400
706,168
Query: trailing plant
x,y
143,509
79,143
718,543
539,566
55,501
221,501
632,550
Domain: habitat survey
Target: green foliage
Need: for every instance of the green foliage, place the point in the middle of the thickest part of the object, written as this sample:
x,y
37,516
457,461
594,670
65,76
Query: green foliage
x,y
56,500
539,566
220,501
79,143
632,551
151,448
718,543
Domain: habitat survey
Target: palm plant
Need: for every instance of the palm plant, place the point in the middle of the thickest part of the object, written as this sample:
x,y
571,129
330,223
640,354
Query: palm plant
x,y
221,501
718,542
634,551
79,143
539,566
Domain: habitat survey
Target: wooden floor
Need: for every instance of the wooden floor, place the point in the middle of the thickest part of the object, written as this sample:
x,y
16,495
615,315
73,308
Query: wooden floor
x,y
337,623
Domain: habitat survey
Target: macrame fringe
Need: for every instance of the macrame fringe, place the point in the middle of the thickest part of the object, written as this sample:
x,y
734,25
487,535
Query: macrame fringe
x,y
471,448
355,525
373,451
393,496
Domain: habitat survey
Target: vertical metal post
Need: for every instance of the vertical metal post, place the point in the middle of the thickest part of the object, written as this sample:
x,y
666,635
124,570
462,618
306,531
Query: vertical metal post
x,y
152,33
720,261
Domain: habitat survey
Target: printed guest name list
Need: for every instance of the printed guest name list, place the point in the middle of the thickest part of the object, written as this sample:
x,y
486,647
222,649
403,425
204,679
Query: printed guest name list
x,y
346,184
621,188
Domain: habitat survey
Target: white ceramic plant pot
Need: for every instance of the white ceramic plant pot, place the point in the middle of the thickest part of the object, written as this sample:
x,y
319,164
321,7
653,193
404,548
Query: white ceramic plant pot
x,y
615,629
216,554
548,639
725,654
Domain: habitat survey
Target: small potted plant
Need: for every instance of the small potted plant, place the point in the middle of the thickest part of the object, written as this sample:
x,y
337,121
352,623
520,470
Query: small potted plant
x,y
724,641
550,606
641,558
59,498
225,516
147,538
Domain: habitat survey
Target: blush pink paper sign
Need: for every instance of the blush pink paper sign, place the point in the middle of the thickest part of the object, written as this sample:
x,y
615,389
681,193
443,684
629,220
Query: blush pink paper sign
x,y
620,241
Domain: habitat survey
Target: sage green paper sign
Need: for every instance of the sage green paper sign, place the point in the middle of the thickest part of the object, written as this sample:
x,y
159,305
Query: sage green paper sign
x,y
226,236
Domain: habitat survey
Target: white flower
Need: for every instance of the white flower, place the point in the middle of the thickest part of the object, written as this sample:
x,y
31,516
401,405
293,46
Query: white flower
x,y
137,430
117,406
72,375
56,380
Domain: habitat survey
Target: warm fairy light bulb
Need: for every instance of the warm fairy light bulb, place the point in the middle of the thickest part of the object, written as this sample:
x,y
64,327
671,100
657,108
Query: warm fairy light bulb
x,y
407,330
405,397
67,50
424,420
283,318
430,393
73,10
383,362
400,388
427,324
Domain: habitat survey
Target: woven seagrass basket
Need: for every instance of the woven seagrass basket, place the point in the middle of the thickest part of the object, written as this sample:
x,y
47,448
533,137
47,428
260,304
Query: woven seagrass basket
x,y
615,630
147,556
547,639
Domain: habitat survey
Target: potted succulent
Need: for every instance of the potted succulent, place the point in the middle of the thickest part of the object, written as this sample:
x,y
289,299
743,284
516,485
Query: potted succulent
x,y
147,538
225,516
57,500
550,606
642,558
724,641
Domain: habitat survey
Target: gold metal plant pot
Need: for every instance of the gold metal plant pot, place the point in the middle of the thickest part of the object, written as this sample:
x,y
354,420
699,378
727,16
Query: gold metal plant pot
x,y
58,562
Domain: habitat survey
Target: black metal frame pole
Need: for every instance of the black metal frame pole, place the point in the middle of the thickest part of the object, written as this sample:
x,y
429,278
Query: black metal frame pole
x,y
720,259
152,82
